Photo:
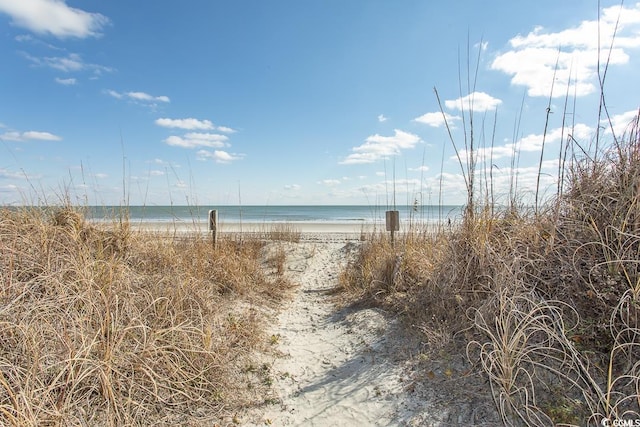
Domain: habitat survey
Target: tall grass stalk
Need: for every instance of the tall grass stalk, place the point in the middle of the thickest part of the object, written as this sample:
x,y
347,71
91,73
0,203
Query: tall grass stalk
x,y
544,134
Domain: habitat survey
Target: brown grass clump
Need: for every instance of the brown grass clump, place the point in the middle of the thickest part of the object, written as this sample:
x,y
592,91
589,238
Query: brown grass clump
x,y
284,232
111,327
546,303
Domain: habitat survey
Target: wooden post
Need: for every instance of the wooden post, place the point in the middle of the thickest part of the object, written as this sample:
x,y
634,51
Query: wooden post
x,y
213,226
393,223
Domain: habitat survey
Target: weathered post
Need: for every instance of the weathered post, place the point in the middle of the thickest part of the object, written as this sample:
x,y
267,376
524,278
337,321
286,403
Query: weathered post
x,y
393,223
213,226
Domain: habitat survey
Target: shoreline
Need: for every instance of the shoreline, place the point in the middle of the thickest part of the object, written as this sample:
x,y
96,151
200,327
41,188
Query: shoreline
x,y
261,227
350,228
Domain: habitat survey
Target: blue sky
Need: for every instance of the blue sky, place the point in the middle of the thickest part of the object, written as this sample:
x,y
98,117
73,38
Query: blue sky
x,y
301,102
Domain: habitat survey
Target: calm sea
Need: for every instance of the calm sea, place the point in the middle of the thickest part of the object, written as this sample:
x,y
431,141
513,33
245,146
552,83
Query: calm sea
x,y
268,214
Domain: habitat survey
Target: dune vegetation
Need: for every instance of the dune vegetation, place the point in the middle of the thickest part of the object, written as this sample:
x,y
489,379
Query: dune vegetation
x,y
106,326
544,299
110,326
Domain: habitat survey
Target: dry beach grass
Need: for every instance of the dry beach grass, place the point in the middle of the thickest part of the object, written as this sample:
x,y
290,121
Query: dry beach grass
x,y
545,303
112,327
116,326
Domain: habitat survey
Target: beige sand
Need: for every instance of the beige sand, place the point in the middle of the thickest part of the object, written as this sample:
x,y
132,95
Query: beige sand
x,y
351,366
351,228
356,367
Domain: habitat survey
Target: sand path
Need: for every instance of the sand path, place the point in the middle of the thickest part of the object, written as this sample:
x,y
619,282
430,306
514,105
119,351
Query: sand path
x,y
335,368
344,367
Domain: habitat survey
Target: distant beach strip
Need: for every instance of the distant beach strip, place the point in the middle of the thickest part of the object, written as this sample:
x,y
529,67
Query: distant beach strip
x,y
306,219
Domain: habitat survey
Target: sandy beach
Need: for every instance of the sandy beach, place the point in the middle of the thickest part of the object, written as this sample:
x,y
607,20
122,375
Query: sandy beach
x,y
356,366
318,231
352,228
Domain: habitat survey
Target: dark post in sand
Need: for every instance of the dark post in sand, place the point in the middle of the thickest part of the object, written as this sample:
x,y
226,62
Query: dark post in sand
x,y
213,226
393,222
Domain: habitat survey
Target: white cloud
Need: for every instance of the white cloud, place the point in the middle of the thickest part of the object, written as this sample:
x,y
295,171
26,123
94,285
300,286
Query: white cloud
x,y
156,172
196,139
526,179
377,147
420,169
531,143
158,161
12,136
225,129
23,38
41,136
401,186
622,123
11,188
531,61
382,118
218,156
476,101
69,63
53,17
27,38
218,139
293,187
7,174
189,124
65,82
329,182
29,136
73,62
436,119
114,94
101,175
139,97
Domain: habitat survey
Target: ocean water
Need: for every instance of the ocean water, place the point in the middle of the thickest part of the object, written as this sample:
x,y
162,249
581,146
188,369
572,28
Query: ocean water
x,y
275,214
